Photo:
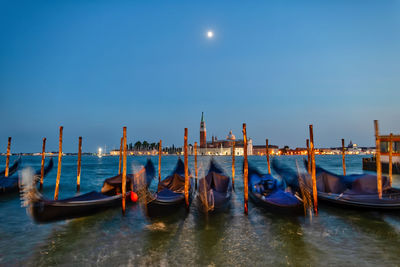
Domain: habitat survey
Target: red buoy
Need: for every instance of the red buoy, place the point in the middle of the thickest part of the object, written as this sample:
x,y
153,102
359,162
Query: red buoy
x,y
134,196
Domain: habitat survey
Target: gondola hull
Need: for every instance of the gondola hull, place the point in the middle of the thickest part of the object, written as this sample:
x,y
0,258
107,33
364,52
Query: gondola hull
x,y
368,202
357,198
170,197
215,190
13,169
158,208
48,211
221,203
266,192
11,184
276,207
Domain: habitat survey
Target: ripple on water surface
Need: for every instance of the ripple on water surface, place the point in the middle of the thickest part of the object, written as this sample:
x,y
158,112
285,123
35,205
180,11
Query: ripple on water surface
x,y
336,236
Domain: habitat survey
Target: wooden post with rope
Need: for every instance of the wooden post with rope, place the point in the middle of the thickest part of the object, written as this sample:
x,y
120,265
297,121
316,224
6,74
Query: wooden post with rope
x,y
120,156
267,152
78,175
42,165
245,171
390,158
233,164
185,146
124,172
59,163
313,172
8,157
159,160
195,165
378,159
308,156
343,157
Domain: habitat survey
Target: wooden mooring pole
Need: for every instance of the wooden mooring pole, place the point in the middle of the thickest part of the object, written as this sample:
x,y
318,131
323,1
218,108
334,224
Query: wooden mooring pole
x,y
245,171
308,156
195,165
159,160
59,163
78,175
42,164
390,158
378,159
267,152
124,173
233,164
120,156
313,172
343,157
8,157
185,146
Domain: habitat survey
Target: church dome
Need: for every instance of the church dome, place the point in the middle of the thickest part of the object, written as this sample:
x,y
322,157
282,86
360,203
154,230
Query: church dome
x,y
231,136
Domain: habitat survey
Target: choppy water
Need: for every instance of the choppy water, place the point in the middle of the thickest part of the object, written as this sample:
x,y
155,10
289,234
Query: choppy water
x,y
336,237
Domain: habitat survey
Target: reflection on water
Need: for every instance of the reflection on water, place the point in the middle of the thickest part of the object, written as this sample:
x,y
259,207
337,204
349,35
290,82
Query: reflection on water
x,y
336,237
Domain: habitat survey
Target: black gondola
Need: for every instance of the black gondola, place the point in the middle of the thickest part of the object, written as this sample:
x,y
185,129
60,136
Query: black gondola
x,y
113,185
267,192
170,195
215,190
43,210
11,183
353,191
12,169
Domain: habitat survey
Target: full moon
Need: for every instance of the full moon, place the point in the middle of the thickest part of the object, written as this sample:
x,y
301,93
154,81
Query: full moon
x,y
210,34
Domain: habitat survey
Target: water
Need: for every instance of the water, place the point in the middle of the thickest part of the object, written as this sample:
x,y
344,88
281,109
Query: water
x,y
336,237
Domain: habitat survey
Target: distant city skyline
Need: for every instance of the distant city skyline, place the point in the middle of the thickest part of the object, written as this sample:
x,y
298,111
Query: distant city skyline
x,y
94,67
107,148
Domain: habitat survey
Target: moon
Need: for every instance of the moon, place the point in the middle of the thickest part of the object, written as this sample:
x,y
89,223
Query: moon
x,y
210,34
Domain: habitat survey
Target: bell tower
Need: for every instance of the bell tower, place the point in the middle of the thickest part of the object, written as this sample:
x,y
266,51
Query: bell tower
x,y
203,134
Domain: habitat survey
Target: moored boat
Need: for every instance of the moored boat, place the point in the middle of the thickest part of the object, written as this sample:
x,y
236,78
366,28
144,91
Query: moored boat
x,y
12,169
351,191
45,210
11,184
113,185
170,195
267,192
215,190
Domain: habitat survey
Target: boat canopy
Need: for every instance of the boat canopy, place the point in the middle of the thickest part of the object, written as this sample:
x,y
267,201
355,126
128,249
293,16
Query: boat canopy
x,y
174,182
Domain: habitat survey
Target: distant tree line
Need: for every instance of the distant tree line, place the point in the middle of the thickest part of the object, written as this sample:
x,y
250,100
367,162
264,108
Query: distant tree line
x,y
150,146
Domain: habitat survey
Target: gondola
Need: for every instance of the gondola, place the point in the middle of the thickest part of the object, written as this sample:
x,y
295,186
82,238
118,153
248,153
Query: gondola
x,y
113,185
350,191
267,192
215,190
44,210
170,195
11,184
12,169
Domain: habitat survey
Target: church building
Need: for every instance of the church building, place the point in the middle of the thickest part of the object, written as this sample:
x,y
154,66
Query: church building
x,y
221,147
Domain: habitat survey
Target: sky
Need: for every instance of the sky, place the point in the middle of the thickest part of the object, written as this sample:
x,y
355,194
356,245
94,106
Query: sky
x,y
96,66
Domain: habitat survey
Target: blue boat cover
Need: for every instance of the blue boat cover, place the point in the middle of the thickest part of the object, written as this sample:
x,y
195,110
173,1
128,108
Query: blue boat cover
x,y
167,194
283,198
267,186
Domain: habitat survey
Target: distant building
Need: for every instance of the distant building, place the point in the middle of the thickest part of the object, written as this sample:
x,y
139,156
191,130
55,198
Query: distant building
x,y
203,132
132,152
260,150
221,147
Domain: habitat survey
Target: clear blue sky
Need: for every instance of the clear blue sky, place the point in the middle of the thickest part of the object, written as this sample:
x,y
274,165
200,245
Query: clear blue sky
x,y
95,66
